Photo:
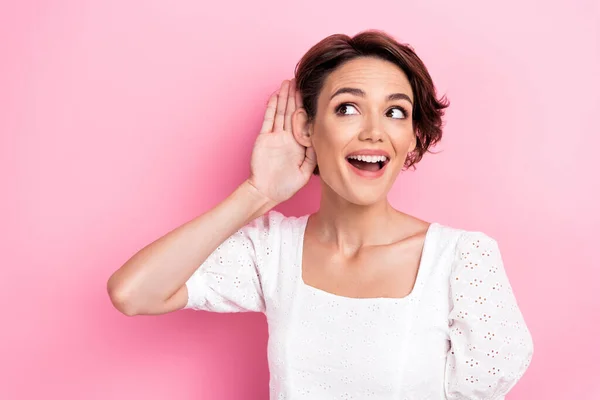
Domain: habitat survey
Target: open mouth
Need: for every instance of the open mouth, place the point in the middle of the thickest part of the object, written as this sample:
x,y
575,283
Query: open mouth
x,y
368,163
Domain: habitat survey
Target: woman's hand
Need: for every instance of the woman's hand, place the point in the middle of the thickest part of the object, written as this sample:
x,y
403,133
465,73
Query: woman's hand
x,y
280,166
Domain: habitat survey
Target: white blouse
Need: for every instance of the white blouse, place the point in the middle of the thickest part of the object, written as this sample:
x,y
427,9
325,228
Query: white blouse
x,y
458,335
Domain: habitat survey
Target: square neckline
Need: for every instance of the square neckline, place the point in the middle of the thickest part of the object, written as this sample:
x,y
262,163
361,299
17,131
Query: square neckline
x,y
423,263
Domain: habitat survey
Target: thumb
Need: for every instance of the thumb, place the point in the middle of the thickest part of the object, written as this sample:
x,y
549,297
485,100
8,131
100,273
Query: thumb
x,y
310,161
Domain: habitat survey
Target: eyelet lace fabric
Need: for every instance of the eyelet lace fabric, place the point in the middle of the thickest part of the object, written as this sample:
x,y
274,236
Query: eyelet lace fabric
x,y
458,335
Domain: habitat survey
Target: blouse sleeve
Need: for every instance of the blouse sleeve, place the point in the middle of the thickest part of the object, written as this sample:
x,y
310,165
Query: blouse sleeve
x,y
229,280
490,345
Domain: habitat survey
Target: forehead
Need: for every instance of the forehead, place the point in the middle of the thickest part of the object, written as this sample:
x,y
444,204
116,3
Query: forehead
x,y
373,75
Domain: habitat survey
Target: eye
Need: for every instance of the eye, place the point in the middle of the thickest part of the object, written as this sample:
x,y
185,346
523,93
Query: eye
x,y
346,109
396,113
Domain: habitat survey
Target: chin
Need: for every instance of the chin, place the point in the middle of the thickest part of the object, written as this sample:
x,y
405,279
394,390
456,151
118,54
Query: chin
x,y
358,193
358,188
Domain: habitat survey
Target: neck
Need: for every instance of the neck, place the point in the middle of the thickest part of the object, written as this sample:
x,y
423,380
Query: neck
x,y
350,226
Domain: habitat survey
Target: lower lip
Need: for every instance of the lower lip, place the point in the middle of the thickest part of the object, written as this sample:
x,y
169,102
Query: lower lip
x,y
368,174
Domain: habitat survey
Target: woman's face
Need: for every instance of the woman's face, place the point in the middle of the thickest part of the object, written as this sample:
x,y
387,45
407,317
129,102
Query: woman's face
x,y
363,129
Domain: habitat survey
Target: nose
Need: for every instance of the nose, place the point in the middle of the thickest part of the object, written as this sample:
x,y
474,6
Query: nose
x,y
372,130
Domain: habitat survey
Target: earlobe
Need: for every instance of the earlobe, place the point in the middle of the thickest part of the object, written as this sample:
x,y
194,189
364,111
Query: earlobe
x,y
301,128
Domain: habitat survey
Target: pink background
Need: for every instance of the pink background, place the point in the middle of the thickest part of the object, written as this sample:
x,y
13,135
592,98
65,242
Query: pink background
x,y
121,120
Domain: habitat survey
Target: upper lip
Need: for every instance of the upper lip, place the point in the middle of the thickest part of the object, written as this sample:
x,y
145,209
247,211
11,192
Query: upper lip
x,y
369,152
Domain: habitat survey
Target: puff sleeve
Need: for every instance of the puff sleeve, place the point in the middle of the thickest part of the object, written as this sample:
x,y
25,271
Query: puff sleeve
x,y
490,345
230,278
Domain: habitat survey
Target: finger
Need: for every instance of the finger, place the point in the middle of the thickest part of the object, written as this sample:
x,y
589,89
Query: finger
x,y
281,102
290,107
267,125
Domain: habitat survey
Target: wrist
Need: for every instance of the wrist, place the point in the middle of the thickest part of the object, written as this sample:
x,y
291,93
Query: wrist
x,y
257,203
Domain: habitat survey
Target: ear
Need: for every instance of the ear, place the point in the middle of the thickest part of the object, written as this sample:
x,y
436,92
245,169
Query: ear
x,y
301,128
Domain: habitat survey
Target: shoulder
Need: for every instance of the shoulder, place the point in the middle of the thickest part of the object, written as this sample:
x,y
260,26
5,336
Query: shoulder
x,y
462,239
274,238
275,224
470,253
276,219
458,246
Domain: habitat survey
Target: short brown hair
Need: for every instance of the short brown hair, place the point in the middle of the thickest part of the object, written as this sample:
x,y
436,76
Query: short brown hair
x,y
333,51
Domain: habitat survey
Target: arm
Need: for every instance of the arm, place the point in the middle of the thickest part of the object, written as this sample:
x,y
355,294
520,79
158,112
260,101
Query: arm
x,y
153,280
491,346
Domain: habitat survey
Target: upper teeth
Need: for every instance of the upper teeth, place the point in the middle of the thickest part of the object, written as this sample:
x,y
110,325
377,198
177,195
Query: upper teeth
x,y
370,159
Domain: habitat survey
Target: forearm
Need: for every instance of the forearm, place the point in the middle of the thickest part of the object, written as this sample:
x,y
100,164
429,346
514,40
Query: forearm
x,y
160,269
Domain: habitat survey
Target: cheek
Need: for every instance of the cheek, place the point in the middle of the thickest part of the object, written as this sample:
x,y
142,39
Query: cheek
x,y
327,138
403,138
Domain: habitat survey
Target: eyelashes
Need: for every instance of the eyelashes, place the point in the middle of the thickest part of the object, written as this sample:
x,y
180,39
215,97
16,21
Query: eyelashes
x,y
402,109
345,109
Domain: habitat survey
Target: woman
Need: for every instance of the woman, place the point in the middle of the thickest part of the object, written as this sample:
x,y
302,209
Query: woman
x,y
363,301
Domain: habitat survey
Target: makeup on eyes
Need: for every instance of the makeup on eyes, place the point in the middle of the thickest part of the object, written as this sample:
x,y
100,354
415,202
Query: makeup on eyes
x,y
339,107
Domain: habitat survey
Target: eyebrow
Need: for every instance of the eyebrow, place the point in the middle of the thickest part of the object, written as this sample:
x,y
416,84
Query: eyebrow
x,y
361,93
